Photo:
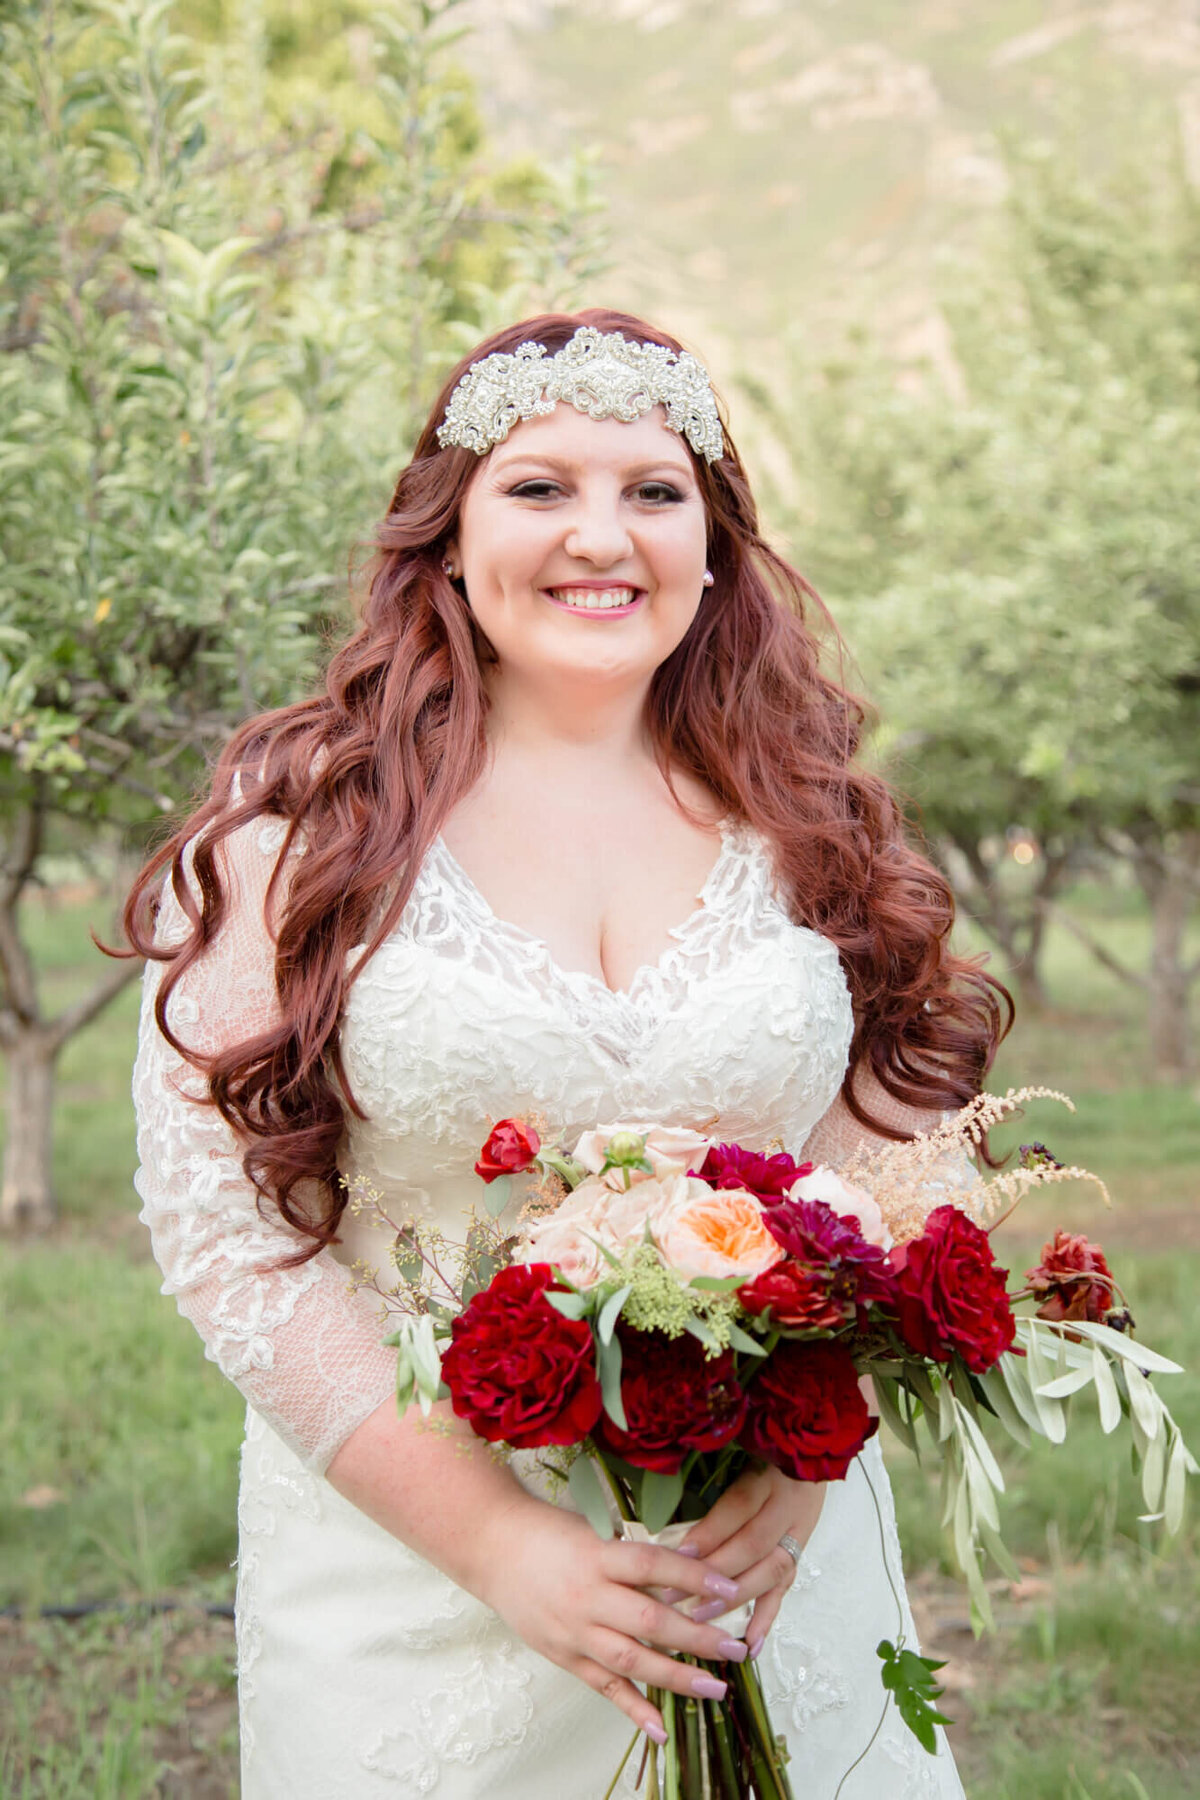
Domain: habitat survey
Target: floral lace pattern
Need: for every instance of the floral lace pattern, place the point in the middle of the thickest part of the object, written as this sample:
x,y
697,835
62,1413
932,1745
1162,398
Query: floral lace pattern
x,y
743,1024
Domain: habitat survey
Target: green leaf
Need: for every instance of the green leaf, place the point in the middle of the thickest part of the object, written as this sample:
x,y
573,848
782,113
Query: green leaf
x,y
1147,1407
496,1195
1001,1402
588,1492
610,1312
1176,1486
887,1392
717,1284
704,1333
609,1358
742,1341
1108,1398
571,1306
910,1679
661,1494
1129,1349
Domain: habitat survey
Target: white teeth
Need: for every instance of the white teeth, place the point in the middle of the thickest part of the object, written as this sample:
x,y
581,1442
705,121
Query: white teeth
x,y
594,599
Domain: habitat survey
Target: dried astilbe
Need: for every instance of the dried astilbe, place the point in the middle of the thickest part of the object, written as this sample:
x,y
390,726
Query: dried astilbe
x,y
909,1180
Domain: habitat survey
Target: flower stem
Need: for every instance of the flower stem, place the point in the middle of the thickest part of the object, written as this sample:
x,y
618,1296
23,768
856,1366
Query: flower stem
x,y
611,1789
723,1755
671,1754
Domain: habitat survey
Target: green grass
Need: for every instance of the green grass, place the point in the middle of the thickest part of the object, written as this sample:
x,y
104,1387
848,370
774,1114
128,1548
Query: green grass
x,y
118,1447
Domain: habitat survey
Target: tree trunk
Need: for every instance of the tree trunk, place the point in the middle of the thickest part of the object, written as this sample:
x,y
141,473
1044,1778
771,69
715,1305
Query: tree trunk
x,y
1170,885
27,1190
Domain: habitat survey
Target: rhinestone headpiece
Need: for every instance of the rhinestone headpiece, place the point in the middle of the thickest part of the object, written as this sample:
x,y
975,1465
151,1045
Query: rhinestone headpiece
x,y
601,374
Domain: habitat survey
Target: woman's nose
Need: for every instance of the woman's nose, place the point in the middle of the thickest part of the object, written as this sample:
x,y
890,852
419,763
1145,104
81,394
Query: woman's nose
x,y
598,535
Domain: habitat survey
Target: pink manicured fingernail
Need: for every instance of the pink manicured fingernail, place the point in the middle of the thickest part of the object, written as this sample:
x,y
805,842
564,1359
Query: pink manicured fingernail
x,y
754,1645
671,1595
712,1609
688,1550
732,1649
657,1732
707,1687
720,1584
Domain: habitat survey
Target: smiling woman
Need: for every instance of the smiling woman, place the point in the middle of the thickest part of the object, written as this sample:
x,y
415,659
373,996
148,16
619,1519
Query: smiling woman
x,y
582,675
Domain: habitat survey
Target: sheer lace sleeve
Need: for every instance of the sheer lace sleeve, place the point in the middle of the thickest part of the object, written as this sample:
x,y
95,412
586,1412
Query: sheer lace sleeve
x,y
301,1346
837,1136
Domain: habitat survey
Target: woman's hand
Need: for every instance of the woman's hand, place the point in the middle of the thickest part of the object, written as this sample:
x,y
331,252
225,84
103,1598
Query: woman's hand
x,y
741,1535
583,1604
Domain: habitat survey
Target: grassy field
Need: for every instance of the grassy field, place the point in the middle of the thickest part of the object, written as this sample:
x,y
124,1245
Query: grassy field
x,y
118,1451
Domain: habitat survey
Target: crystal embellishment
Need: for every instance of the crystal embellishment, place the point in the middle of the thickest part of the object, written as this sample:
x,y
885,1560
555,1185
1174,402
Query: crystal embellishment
x,y
601,374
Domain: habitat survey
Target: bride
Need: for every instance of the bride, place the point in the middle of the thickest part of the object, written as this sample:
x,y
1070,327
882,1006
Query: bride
x,y
573,826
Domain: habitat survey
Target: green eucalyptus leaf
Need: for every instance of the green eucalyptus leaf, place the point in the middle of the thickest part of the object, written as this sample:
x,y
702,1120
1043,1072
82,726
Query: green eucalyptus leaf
x,y
497,1194
610,1312
587,1490
661,1495
609,1360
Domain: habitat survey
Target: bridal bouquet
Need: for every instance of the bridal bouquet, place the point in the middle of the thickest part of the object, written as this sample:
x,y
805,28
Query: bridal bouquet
x,y
670,1308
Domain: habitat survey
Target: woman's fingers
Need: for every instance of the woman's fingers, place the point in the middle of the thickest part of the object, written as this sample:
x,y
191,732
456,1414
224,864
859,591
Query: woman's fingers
x,y
651,1566
623,1694
627,1660
640,1616
738,1504
765,1613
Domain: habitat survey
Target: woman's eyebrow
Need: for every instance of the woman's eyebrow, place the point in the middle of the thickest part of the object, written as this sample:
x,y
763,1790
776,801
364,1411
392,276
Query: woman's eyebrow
x,y
567,466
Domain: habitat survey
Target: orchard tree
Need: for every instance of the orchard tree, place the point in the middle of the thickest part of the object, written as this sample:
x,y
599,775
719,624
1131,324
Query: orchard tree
x,y
1016,557
212,358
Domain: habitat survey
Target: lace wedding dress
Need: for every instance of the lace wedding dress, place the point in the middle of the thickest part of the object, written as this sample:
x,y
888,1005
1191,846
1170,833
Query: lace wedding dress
x,y
365,1673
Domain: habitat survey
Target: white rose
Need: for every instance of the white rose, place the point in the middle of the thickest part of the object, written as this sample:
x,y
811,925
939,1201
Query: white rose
x,y
846,1199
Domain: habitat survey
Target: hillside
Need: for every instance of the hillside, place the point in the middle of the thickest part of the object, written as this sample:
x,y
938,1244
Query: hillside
x,y
769,158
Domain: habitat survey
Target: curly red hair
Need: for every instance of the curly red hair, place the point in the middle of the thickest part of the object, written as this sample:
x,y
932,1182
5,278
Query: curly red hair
x,y
369,769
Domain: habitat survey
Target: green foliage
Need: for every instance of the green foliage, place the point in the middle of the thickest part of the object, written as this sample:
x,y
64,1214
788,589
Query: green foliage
x,y
1013,537
909,1678
213,344
1011,540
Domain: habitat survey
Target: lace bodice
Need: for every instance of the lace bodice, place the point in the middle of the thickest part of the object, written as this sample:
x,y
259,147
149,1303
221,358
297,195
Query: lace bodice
x,y
458,1019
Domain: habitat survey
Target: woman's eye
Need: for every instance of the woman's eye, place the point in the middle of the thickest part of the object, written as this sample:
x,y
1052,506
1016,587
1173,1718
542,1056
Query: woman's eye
x,y
534,490
661,493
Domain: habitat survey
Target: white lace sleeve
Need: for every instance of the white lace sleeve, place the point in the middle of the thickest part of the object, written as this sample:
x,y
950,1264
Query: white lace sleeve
x,y
303,1348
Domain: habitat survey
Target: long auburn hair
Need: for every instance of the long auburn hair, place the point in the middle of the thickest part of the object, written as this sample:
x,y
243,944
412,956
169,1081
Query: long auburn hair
x,y
367,771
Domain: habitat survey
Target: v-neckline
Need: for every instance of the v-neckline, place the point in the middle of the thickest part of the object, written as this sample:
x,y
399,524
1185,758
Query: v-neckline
x,y
677,934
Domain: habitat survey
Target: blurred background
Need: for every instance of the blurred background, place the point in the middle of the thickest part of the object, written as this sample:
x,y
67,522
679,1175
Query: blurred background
x,y
943,257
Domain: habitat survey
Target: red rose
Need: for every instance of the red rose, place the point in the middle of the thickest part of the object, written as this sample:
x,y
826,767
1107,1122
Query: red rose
x,y
806,1411
830,1270
950,1293
1073,1280
676,1399
510,1150
767,1177
797,1295
519,1372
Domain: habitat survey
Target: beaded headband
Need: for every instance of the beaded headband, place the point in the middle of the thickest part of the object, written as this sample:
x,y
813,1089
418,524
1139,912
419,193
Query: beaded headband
x,y
601,374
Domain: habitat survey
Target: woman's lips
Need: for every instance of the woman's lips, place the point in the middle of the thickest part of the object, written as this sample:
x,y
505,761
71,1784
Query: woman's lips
x,y
594,599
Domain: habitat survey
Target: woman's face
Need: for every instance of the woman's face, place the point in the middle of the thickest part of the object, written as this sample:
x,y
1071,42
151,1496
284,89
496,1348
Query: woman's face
x,y
581,544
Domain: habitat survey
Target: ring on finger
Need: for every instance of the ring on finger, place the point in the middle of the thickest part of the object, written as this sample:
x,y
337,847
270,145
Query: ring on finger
x,y
794,1550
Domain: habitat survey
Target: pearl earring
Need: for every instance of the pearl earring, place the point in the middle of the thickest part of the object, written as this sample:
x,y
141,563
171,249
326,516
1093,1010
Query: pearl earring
x,y
709,578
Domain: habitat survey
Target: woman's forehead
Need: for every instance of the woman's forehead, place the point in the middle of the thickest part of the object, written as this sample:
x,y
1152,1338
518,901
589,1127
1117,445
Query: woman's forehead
x,y
572,439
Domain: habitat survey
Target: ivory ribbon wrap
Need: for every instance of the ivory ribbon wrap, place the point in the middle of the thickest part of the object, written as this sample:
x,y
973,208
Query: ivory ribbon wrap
x,y
733,1622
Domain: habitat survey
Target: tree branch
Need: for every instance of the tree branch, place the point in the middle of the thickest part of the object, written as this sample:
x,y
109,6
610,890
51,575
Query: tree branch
x,y
1103,956
15,964
86,1009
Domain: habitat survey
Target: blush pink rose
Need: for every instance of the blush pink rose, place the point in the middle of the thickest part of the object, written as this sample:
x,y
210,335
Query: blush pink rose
x,y
844,1198
670,1150
596,1214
